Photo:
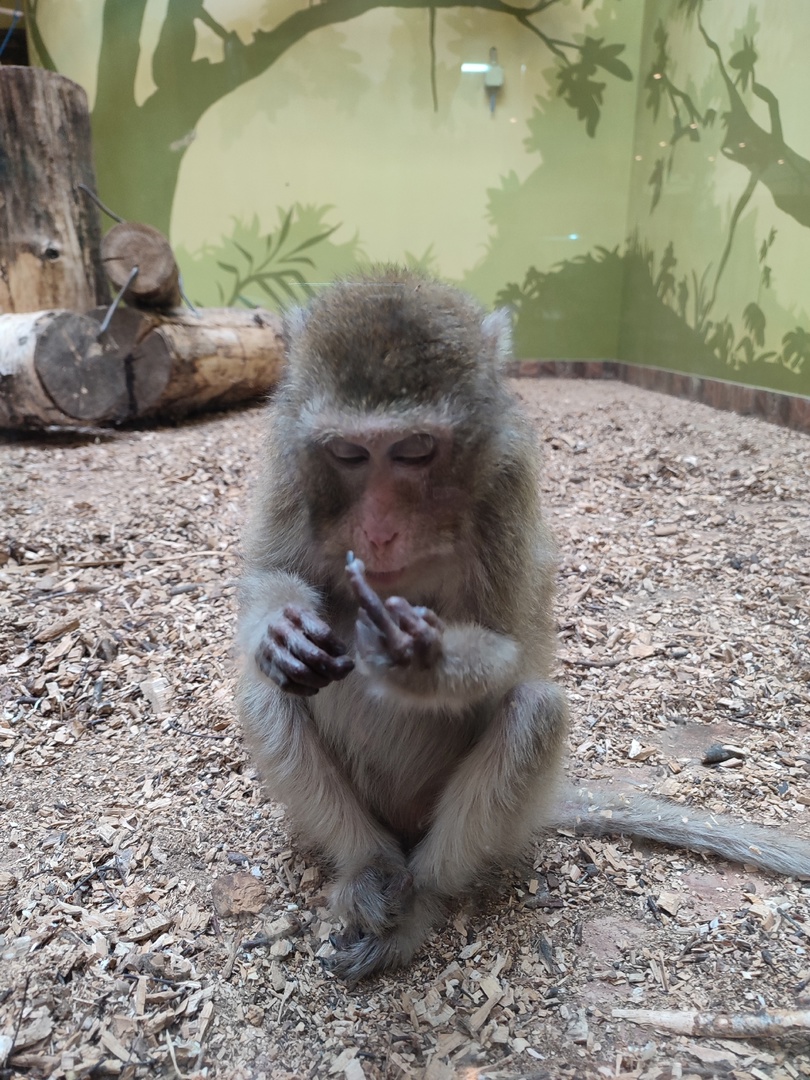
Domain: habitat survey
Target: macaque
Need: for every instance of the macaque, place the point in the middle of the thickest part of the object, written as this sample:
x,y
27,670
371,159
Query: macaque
x,y
396,619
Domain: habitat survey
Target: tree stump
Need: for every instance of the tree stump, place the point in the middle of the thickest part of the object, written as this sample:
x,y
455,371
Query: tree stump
x,y
58,370
49,230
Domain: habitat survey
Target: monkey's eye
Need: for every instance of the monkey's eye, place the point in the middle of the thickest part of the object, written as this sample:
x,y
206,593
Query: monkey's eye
x,y
417,449
347,453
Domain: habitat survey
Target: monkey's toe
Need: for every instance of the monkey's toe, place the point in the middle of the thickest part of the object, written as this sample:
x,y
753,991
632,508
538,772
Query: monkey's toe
x,y
350,936
364,957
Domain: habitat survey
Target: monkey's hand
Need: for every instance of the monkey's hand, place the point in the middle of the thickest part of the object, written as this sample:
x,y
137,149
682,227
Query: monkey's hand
x,y
394,634
300,653
409,652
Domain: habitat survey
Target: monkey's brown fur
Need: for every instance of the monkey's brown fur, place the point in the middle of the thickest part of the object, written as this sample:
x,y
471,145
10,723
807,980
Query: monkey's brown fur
x,y
437,754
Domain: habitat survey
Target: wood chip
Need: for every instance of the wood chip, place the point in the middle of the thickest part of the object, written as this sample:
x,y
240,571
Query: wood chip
x,y
234,894
57,629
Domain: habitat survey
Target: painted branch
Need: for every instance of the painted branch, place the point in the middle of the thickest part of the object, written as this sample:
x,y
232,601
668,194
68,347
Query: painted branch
x,y
57,369
719,1025
50,235
131,245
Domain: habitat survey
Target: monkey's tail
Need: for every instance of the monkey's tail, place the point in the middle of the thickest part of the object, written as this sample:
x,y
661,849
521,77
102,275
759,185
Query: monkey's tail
x,y
599,813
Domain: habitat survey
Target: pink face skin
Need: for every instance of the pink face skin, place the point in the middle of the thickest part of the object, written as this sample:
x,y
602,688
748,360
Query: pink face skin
x,y
401,516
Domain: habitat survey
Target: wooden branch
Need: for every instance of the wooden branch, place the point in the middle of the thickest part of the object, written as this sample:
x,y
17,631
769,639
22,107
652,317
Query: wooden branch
x,y
719,1025
57,369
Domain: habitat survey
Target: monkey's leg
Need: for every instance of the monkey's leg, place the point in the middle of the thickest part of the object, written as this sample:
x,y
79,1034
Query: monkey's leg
x,y
495,800
372,879
487,814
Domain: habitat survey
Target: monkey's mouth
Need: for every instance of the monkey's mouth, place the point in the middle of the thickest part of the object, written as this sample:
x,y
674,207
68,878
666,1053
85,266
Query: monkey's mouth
x,y
384,579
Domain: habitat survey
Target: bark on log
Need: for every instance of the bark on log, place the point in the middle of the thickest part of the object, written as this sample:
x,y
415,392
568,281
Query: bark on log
x,y
131,244
50,255
56,369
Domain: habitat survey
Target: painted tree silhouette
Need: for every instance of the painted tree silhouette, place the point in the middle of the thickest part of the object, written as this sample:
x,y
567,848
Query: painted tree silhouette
x,y
764,154
139,148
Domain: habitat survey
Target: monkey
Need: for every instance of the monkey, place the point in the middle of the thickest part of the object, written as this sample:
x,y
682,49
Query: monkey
x,y
396,629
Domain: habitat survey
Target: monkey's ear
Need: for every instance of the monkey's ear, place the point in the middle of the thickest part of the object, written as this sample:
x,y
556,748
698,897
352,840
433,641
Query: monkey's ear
x,y
497,328
293,322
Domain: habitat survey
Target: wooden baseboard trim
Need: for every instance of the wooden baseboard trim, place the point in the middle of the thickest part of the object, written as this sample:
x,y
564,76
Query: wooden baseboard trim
x,y
788,410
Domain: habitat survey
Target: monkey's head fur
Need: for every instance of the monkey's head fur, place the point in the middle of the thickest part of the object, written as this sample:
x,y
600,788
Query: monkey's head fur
x,y
394,340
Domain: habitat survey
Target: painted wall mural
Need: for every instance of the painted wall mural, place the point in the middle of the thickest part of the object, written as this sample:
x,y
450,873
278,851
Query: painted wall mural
x,y
719,214
632,178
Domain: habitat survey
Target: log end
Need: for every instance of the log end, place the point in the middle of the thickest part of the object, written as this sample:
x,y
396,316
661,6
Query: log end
x,y
92,377
132,244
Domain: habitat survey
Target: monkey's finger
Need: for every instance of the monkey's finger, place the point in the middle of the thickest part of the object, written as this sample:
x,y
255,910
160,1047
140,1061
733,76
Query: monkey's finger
x,y
417,627
370,642
299,672
332,667
386,642
430,617
426,637
418,621
396,642
288,672
425,613
374,646
315,629
282,681
366,596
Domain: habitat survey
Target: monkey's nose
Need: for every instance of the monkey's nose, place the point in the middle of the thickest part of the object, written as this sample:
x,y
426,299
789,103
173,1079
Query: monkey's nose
x,y
379,540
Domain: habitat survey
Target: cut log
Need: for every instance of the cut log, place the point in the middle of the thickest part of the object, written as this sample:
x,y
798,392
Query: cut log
x,y
57,369
50,255
218,358
131,245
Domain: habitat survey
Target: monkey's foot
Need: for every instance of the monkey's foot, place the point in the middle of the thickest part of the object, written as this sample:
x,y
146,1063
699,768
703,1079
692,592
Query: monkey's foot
x,y
377,897
358,955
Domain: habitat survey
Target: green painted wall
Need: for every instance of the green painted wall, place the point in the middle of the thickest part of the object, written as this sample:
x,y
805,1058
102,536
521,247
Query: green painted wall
x,y
607,198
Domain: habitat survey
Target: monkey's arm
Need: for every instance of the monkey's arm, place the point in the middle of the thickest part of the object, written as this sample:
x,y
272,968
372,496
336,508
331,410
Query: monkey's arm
x,y
281,633
409,652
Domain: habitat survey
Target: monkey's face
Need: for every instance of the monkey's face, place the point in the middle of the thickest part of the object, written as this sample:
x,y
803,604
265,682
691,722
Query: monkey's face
x,y
389,493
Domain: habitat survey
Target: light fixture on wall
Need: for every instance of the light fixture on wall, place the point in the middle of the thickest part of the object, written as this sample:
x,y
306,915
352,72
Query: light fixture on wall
x,y
493,76
493,79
